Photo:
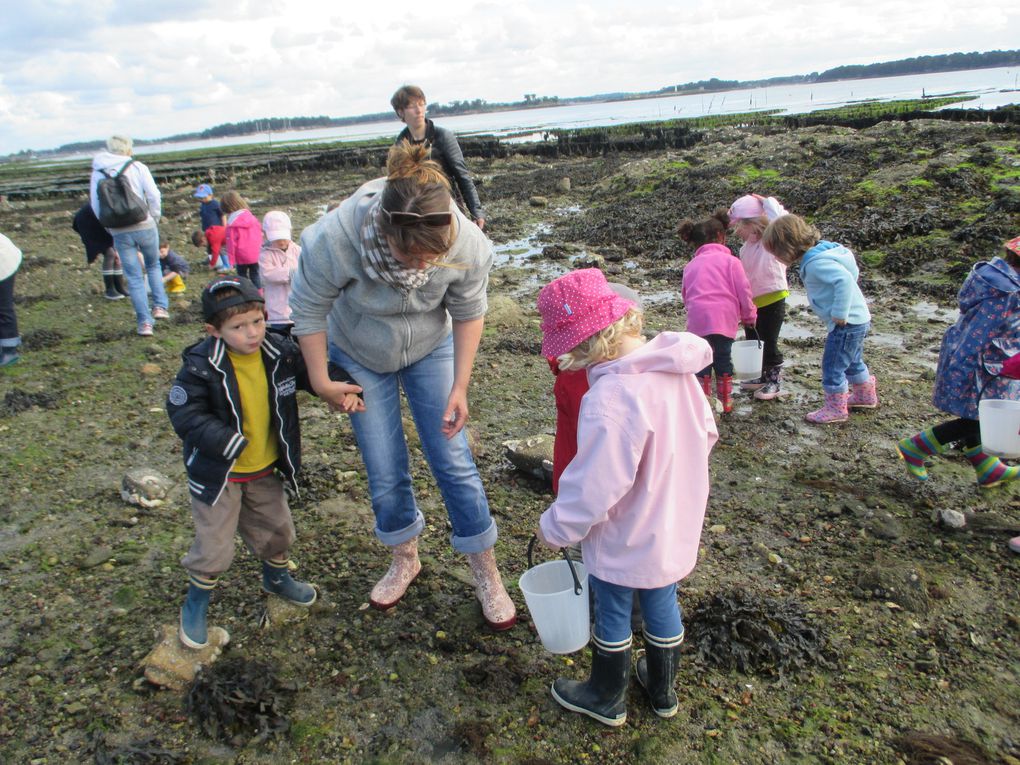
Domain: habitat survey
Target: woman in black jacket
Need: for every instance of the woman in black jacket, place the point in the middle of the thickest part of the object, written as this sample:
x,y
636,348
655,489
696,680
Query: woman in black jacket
x,y
409,104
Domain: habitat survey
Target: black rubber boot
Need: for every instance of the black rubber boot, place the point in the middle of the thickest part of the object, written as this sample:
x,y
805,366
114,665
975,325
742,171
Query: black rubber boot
x,y
118,283
656,672
110,292
603,696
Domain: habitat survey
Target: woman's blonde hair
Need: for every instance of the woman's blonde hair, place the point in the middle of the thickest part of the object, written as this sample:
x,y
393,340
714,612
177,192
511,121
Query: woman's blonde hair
x,y
789,237
416,184
604,345
231,202
119,144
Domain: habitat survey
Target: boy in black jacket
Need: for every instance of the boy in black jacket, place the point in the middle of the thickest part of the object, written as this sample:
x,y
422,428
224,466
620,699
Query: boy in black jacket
x,y
234,405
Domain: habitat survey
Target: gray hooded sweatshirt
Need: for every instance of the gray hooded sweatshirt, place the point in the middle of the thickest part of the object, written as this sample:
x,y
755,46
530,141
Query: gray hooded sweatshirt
x,y
379,326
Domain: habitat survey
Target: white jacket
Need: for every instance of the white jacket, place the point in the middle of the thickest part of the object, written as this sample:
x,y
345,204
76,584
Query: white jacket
x,y
141,181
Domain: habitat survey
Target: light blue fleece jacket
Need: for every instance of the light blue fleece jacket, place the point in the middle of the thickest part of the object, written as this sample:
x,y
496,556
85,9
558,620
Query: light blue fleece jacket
x,y
829,273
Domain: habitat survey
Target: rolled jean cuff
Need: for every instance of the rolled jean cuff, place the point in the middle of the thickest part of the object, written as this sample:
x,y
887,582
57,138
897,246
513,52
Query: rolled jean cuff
x,y
844,388
10,342
476,544
398,537
862,378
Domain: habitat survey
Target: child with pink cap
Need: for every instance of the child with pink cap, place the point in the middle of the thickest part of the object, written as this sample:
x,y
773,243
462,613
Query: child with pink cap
x,y
748,217
634,495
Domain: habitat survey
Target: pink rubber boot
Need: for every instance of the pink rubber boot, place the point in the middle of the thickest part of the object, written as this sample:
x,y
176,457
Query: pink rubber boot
x,y
497,608
864,395
834,410
403,569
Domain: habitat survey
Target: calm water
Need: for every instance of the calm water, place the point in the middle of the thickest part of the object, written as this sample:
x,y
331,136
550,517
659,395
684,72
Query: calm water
x,y
993,87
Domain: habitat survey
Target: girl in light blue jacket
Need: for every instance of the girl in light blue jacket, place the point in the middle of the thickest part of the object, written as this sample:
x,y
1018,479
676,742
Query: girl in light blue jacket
x,y
829,273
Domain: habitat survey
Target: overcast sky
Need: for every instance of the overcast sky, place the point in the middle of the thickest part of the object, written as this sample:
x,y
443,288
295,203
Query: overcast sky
x,y
78,70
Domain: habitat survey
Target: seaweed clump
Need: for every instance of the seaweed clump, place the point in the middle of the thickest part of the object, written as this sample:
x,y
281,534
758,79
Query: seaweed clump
x,y
751,633
237,702
147,750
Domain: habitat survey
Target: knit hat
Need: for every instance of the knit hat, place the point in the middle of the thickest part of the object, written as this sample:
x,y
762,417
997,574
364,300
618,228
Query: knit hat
x,y
748,206
276,224
1013,245
577,306
10,257
246,293
204,190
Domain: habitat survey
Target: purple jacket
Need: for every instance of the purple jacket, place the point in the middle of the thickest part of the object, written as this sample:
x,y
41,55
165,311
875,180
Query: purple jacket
x,y
634,495
716,293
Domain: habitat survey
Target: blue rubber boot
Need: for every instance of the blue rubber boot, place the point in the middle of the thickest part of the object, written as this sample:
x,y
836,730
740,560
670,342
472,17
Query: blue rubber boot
x,y
276,579
192,631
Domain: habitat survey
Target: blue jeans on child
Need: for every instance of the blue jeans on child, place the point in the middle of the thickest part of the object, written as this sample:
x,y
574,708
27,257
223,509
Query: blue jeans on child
x,y
722,356
128,245
613,604
379,431
843,358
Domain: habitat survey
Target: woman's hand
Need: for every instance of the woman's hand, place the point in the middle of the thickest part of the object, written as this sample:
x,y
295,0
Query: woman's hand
x,y
341,397
456,415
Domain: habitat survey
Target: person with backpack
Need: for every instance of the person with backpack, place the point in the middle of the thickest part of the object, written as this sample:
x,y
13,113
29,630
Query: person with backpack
x,y
127,202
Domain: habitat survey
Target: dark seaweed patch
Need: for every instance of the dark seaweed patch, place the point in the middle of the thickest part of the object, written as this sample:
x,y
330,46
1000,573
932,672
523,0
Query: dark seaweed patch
x,y
752,633
238,702
20,400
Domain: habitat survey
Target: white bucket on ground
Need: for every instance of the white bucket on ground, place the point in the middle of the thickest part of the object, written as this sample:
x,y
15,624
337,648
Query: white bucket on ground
x,y
1000,426
560,615
747,355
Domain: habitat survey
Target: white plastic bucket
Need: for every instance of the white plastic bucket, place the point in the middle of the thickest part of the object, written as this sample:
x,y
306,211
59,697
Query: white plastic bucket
x,y
1000,426
559,614
747,356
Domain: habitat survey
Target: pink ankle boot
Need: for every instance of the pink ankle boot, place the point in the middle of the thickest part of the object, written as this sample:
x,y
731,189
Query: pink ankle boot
x,y
834,410
864,395
403,569
497,608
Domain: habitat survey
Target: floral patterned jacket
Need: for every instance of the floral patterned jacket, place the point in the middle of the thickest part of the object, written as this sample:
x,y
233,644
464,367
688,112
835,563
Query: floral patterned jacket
x,y
975,348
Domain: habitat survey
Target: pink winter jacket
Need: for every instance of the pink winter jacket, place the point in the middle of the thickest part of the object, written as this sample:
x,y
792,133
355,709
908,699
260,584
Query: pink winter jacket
x,y
634,495
277,267
716,293
244,238
764,272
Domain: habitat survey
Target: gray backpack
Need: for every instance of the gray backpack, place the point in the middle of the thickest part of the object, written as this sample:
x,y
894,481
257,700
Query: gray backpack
x,y
119,205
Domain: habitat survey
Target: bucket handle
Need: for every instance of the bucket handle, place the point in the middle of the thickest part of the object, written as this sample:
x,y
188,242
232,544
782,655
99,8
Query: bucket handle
x,y
752,330
578,589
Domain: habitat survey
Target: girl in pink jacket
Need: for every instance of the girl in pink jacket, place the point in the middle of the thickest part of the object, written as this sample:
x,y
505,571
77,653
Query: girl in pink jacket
x,y
749,216
244,236
717,297
634,495
278,261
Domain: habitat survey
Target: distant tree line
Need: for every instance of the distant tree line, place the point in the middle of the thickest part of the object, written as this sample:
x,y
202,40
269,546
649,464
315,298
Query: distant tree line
x,y
918,65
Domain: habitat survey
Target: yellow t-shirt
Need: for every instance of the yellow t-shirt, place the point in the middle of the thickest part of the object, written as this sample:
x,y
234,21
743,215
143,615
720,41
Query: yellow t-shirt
x,y
262,450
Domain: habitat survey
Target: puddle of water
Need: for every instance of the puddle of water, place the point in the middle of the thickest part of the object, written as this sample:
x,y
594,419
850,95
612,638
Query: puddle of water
x,y
927,310
792,331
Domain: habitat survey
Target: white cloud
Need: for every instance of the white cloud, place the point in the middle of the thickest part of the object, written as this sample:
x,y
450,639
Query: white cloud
x,y
73,71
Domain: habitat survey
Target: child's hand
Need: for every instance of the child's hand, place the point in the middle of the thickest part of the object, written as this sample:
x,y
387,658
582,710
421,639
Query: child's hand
x,y
353,403
839,322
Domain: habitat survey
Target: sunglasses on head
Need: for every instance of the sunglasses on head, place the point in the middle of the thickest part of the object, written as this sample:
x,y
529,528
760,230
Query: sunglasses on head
x,y
407,219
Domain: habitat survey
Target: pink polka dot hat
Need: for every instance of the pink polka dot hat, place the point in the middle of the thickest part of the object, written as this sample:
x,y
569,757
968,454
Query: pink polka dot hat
x,y
576,306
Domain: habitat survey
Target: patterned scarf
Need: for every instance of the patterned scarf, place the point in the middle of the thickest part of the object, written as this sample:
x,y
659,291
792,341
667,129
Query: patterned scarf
x,y
379,263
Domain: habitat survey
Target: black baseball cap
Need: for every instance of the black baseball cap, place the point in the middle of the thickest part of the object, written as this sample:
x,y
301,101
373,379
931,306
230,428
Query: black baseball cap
x,y
246,292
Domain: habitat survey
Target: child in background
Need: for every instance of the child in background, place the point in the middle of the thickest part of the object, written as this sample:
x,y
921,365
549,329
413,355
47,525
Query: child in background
x,y
213,239
244,237
278,261
978,360
568,390
174,268
97,241
748,217
211,215
829,273
234,405
634,496
717,297
10,338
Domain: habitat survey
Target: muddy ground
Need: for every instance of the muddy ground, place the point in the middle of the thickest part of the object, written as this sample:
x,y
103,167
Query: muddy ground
x,y
862,629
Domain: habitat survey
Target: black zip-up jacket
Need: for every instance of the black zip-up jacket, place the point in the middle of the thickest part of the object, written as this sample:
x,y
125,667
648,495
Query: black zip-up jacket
x,y
446,151
204,405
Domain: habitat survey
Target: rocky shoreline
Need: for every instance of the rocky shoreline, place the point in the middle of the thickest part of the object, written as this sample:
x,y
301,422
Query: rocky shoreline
x,y
890,631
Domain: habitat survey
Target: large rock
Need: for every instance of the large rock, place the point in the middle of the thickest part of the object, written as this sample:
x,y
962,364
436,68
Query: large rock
x,y
532,455
171,664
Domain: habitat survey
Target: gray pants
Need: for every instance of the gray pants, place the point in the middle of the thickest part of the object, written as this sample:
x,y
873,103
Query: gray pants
x,y
257,510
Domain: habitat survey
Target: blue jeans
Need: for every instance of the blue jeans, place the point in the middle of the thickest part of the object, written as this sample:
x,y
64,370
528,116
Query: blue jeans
x,y
379,431
129,244
843,358
613,604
